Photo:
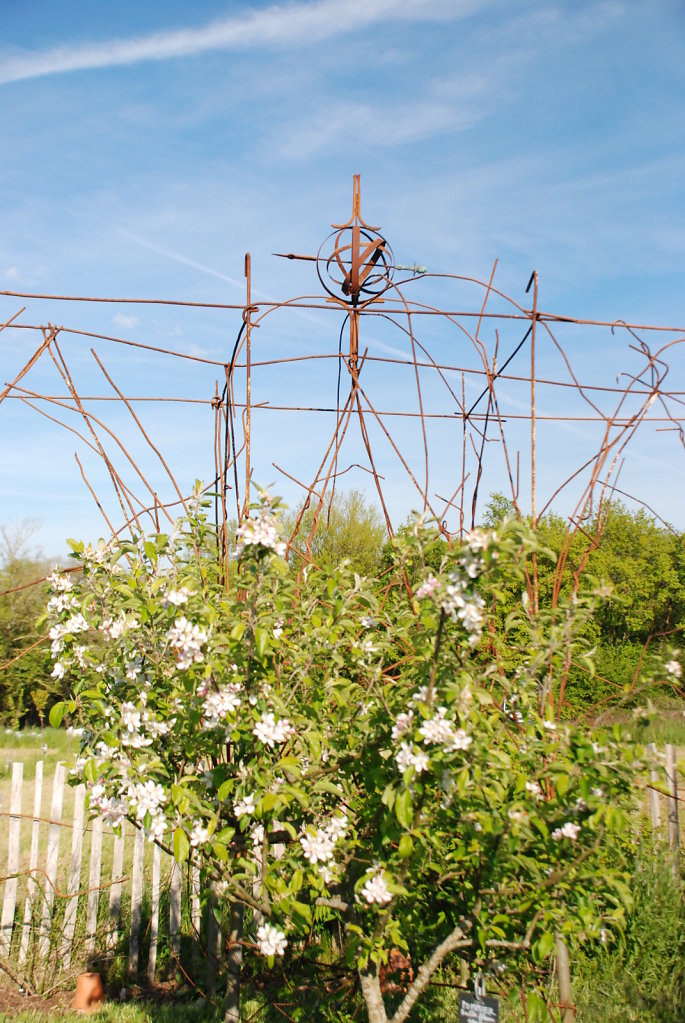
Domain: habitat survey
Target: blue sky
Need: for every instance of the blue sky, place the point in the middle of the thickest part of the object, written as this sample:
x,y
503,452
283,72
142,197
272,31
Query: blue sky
x,y
147,147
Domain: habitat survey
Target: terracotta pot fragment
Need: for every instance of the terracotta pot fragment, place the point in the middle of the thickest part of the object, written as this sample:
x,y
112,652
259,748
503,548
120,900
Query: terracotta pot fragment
x,y
89,995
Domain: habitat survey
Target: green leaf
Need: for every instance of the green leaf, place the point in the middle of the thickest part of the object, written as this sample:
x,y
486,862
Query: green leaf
x,y
261,640
289,763
225,789
561,783
327,786
151,551
237,631
536,1010
543,946
389,794
301,913
269,800
56,714
180,798
404,809
220,851
181,845
405,847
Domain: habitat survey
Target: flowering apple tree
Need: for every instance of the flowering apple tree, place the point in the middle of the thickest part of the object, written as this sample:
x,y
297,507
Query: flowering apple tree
x,y
343,755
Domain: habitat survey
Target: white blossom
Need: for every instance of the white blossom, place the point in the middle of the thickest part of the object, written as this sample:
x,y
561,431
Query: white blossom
x,y
464,699
437,730
376,890
460,741
337,826
187,640
465,607
177,597
77,623
259,532
271,941
402,724
61,602
157,828
119,627
673,668
272,732
407,757
472,564
146,797
478,539
96,555
58,670
568,830
216,705
245,806
317,848
427,588
199,834
130,717
61,583
113,811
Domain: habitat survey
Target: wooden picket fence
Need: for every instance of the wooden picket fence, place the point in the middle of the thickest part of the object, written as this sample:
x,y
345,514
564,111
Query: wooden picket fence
x,y
47,892
59,914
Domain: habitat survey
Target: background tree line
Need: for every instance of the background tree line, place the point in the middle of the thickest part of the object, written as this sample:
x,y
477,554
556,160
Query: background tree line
x,y
642,561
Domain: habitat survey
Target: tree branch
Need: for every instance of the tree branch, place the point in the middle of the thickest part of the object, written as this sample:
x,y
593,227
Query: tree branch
x,y
452,942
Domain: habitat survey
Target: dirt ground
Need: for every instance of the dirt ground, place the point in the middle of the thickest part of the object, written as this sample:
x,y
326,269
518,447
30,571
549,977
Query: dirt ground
x,y
13,1001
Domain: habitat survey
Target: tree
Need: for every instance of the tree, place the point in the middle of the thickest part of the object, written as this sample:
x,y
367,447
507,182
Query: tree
x,y
25,658
346,527
642,566
337,752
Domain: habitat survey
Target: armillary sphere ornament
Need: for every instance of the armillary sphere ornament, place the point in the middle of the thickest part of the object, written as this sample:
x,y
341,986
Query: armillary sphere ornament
x,y
355,264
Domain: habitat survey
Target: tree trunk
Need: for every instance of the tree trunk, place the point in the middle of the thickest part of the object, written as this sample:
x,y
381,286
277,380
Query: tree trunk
x,y
564,981
371,989
234,964
214,939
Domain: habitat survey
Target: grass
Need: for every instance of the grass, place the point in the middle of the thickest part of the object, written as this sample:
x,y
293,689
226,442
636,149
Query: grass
x,y
47,744
131,1012
641,977
665,729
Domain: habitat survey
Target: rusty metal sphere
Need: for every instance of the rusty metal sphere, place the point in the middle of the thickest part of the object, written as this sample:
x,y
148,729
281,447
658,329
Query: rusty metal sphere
x,y
354,265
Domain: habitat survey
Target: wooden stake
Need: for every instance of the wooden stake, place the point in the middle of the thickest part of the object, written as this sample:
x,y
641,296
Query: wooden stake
x,y
673,831
10,900
564,981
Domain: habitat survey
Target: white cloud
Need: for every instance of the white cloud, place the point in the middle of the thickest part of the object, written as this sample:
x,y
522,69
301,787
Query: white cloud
x,y
122,320
11,273
280,26
452,104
